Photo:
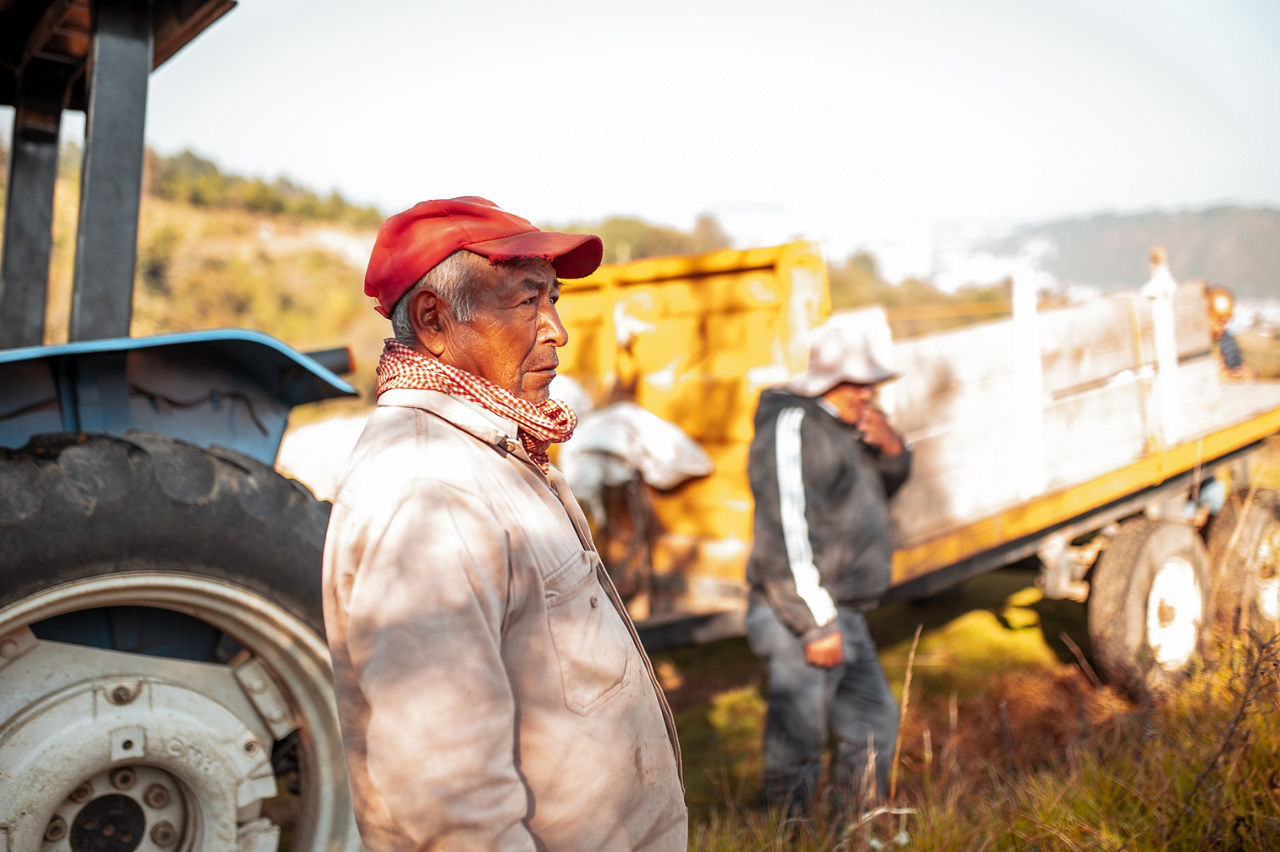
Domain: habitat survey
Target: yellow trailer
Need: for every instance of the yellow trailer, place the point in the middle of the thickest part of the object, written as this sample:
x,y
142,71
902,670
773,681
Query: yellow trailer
x,y
692,340
1090,436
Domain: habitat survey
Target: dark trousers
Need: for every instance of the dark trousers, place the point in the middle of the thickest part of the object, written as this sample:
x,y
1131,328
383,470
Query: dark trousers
x,y
807,704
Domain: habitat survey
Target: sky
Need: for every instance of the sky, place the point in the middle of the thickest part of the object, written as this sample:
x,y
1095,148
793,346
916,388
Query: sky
x,y
855,124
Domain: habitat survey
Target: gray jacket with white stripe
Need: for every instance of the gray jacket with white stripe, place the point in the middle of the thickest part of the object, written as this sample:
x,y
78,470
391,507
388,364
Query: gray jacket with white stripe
x,y
822,536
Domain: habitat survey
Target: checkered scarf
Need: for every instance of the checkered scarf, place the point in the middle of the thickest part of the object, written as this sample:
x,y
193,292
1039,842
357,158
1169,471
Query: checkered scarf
x,y
539,425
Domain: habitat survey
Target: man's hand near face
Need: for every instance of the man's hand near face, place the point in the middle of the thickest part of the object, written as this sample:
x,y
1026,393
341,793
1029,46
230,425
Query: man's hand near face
x,y
827,652
877,432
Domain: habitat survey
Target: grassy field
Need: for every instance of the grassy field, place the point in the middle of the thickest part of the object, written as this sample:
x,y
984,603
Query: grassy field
x,y
1009,741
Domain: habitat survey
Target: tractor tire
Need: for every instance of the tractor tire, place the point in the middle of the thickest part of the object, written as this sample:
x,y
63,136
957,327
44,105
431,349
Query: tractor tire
x,y
1244,551
189,691
1149,605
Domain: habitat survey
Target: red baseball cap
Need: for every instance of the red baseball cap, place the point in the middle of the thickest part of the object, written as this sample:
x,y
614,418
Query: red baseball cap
x,y
411,243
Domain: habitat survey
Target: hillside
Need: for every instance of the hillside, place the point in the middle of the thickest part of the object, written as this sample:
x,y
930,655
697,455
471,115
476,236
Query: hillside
x,y
217,251
299,281
1235,246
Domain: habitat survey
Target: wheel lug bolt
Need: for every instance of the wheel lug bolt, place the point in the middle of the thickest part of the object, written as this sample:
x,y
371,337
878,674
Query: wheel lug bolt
x,y
123,778
156,796
121,695
55,830
162,834
81,793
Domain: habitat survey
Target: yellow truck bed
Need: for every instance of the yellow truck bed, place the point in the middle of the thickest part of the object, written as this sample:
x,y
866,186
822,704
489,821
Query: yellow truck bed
x,y
1051,423
1252,412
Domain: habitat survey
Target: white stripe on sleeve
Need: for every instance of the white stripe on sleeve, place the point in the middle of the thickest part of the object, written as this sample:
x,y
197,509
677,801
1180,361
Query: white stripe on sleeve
x,y
795,529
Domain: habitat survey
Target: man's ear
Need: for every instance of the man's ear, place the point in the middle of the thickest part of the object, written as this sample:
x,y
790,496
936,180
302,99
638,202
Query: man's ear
x,y
429,315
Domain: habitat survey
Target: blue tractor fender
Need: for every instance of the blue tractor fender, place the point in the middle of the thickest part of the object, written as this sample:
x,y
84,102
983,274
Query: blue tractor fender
x,y
229,387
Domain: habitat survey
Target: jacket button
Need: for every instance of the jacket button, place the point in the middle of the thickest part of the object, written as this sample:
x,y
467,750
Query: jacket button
x,y
595,602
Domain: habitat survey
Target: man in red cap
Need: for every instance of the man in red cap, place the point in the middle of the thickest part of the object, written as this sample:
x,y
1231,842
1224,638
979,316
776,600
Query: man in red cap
x,y
492,691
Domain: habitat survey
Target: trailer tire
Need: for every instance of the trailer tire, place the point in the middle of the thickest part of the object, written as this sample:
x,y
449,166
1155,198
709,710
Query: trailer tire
x,y
98,525
1244,552
1148,606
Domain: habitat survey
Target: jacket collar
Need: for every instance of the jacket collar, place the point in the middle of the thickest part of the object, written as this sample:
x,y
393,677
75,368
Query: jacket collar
x,y
473,419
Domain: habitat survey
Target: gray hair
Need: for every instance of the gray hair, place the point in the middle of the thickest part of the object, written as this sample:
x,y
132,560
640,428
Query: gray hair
x,y
452,279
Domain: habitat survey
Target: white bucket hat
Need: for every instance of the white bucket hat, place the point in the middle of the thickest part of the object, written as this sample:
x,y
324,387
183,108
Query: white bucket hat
x,y
849,347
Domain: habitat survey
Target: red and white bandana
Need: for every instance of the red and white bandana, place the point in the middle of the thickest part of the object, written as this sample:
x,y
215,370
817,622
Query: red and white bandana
x,y
538,425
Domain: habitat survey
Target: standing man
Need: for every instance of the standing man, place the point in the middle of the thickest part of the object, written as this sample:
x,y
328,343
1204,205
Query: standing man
x,y
492,691
1231,365
823,464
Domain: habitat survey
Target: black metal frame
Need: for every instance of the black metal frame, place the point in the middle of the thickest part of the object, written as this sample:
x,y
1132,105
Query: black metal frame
x,y
97,56
111,180
28,220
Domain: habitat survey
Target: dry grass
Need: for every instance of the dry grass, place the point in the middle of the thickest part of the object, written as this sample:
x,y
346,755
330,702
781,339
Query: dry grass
x,y
1041,760
1008,742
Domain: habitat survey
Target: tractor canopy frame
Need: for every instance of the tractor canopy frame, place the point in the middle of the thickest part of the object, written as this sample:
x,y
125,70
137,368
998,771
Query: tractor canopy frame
x,y
228,388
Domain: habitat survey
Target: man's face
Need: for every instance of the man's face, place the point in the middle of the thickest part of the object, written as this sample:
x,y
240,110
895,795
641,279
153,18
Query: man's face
x,y
512,337
850,400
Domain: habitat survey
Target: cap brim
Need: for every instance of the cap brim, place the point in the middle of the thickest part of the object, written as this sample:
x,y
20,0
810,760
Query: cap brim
x,y
817,384
572,255
876,377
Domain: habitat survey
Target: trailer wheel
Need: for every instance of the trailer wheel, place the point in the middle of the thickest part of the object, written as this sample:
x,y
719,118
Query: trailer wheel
x,y
162,669
1149,605
1244,551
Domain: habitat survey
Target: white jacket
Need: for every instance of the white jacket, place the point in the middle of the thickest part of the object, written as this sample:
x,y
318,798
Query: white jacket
x,y
492,691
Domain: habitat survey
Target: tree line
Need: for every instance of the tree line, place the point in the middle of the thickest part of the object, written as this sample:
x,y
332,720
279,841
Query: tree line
x,y
188,178
857,282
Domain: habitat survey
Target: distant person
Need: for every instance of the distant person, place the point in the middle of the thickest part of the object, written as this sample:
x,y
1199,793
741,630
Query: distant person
x,y
823,464
492,691
1230,359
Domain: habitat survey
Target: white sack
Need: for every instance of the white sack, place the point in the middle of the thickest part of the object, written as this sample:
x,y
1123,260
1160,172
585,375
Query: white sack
x,y
611,445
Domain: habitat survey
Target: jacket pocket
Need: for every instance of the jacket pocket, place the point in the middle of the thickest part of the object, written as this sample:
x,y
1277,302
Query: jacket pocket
x,y
592,644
